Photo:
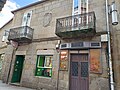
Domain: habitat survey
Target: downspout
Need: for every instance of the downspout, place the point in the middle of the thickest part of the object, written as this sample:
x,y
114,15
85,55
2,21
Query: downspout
x,y
58,71
109,50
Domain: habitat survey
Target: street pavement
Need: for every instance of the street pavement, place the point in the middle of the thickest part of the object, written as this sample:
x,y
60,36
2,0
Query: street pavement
x,y
4,86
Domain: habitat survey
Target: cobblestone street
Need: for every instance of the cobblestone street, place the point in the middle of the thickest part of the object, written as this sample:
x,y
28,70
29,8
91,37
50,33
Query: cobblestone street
x,y
4,86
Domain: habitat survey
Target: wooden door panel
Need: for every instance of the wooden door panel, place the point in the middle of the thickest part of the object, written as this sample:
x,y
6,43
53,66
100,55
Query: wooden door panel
x,y
79,72
75,84
84,76
74,73
74,57
84,84
83,57
17,69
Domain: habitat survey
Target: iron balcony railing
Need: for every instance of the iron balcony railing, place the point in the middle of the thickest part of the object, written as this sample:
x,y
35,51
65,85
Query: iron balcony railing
x,y
79,22
21,34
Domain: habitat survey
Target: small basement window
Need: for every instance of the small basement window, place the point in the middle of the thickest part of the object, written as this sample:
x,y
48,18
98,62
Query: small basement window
x,y
44,65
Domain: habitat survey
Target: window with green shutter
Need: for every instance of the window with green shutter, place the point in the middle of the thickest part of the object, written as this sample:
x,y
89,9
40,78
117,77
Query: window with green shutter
x,y
44,65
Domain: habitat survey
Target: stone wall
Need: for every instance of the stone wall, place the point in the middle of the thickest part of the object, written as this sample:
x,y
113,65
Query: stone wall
x,y
3,46
100,81
116,59
7,63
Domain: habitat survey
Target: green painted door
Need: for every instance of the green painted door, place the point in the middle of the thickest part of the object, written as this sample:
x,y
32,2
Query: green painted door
x,y
18,66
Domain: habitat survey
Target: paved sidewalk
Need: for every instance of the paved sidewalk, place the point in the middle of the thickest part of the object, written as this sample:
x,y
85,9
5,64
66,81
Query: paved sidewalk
x,y
4,86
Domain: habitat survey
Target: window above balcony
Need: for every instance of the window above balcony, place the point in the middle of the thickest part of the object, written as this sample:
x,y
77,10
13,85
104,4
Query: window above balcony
x,y
82,25
26,20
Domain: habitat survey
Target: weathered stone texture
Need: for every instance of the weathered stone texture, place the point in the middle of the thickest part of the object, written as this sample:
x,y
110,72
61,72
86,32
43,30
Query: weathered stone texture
x,y
99,84
58,9
116,57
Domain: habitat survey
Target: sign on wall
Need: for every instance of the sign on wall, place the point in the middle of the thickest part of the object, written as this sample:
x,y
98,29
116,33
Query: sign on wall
x,y
95,61
64,60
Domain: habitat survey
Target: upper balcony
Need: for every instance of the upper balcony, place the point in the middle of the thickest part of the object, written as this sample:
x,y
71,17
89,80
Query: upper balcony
x,y
78,26
22,34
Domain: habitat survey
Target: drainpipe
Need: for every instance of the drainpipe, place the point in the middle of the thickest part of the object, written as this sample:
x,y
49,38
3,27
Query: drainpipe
x,y
58,52
109,50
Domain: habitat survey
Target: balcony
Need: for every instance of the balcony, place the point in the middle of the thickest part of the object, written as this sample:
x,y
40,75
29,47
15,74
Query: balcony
x,y
22,34
78,26
2,2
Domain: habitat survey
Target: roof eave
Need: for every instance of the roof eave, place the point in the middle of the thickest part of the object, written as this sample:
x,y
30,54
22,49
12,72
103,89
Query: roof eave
x,y
29,5
6,23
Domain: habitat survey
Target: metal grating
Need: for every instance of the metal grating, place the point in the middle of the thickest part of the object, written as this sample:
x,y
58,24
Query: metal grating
x,y
78,44
63,45
95,44
84,69
81,25
74,68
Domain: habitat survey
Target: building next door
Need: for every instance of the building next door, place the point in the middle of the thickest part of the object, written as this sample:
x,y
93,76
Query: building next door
x,y
18,67
79,76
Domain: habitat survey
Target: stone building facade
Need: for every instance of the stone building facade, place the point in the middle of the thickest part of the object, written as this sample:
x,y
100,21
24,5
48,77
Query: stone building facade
x,y
57,51
3,45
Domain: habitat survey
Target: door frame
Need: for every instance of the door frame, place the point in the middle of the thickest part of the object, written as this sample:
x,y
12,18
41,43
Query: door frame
x,y
83,51
14,68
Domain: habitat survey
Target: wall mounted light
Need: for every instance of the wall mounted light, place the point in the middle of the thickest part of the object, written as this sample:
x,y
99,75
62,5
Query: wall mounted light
x,y
113,12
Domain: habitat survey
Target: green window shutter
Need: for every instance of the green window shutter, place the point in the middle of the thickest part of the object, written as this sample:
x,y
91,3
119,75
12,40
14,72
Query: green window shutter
x,y
42,60
37,69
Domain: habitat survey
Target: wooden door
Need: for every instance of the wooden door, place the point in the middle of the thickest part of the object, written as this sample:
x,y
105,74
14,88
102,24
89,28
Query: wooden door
x,y
79,77
18,69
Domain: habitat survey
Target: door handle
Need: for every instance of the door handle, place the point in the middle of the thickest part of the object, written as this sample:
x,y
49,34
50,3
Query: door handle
x,y
15,69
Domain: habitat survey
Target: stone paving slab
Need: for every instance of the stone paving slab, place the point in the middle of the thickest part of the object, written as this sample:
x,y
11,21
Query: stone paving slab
x,y
4,86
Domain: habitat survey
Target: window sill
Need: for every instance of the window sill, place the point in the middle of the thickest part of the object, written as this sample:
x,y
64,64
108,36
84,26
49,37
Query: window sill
x,y
43,77
44,67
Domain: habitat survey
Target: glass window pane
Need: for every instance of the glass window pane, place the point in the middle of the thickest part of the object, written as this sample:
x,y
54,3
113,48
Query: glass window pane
x,y
39,72
44,66
48,61
75,3
47,72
